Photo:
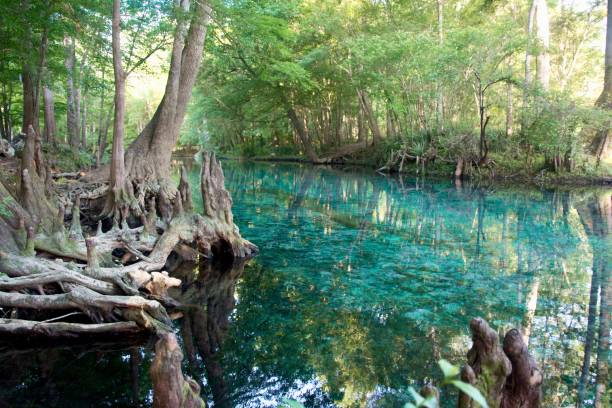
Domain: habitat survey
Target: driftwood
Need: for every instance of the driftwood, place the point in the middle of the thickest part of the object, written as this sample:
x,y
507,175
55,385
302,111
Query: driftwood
x,y
113,280
506,376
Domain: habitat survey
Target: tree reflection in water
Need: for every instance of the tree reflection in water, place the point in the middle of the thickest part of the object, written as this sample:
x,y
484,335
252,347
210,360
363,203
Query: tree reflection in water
x,y
363,282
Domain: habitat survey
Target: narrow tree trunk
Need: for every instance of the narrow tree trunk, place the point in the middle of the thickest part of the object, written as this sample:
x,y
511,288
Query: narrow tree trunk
x,y
602,145
361,129
298,125
28,99
366,105
440,96
77,107
28,77
103,135
528,76
5,111
72,135
509,113
543,35
101,122
117,168
84,123
50,126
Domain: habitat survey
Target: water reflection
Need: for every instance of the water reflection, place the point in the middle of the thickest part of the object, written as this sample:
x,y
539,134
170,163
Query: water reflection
x,y
208,299
364,282
368,280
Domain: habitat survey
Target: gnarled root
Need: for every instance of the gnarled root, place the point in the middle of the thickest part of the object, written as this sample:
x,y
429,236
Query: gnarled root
x,y
113,280
507,377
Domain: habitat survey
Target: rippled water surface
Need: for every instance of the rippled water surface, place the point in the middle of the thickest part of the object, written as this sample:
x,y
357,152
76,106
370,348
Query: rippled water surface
x,y
364,282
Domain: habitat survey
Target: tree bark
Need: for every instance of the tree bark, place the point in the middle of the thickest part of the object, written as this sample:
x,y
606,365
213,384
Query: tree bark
x,y
71,117
84,122
507,376
50,126
120,194
148,157
543,36
31,75
601,145
366,105
528,75
509,112
298,125
103,133
5,111
440,95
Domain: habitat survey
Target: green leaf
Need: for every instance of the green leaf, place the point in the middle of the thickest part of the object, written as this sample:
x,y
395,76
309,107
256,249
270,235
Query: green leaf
x,y
430,402
409,405
472,392
417,397
448,369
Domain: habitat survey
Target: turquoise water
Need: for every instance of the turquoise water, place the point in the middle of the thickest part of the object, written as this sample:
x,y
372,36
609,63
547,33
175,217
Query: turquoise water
x,y
365,281
362,284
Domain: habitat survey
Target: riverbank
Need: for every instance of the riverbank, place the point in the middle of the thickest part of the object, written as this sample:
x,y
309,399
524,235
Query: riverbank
x,y
504,173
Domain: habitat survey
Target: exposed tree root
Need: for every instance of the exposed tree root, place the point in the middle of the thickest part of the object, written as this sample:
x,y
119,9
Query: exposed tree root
x,y
115,279
506,376
65,331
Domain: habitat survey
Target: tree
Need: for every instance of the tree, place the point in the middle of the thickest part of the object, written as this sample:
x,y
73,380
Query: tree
x,y
119,189
50,128
147,159
601,144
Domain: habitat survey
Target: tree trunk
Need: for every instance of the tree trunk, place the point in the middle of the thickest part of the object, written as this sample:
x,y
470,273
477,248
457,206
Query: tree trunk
x,y
543,36
361,129
440,95
84,123
528,76
71,117
120,194
509,113
366,105
298,125
103,134
5,111
148,157
601,145
77,107
50,127
30,79
28,99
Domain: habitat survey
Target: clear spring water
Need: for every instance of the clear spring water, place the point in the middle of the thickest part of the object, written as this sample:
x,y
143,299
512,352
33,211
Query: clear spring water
x,y
363,283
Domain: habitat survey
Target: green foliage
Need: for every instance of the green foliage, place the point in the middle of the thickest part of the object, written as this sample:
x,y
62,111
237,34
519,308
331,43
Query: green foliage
x,y
62,158
267,56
